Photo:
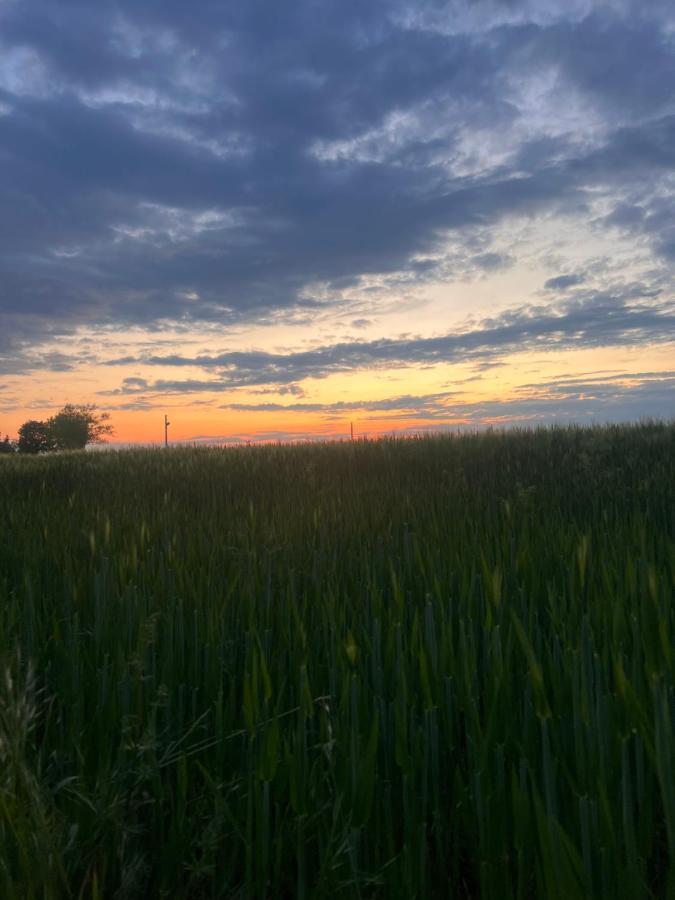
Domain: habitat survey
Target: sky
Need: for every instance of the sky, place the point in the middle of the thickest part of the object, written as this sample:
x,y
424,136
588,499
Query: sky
x,y
271,220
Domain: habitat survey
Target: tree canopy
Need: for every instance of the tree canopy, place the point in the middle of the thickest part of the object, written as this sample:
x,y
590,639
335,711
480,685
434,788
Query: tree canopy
x,y
76,426
72,428
35,437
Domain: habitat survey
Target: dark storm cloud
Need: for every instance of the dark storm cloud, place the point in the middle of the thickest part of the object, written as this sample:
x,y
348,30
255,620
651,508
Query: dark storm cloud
x,y
593,321
212,162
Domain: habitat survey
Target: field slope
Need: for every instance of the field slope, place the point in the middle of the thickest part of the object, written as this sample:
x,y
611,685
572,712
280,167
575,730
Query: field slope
x,y
441,667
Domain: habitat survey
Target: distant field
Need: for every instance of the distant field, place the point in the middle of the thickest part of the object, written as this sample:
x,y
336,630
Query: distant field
x,y
441,667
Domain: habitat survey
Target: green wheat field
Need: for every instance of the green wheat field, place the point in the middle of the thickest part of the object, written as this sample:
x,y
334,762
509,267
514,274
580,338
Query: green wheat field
x,y
435,667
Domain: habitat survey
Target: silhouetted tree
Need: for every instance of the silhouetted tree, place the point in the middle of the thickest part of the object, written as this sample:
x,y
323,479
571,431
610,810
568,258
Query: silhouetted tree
x,y
35,437
76,426
70,429
6,446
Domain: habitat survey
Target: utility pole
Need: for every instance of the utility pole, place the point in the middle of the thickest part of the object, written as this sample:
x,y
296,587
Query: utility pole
x,y
166,430
351,428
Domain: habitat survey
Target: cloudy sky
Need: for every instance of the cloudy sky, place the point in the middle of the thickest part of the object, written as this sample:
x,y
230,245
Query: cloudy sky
x,y
272,219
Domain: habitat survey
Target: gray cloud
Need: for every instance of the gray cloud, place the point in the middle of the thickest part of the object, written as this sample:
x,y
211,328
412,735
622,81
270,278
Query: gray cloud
x,y
160,166
562,282
410,404
592,321
613,398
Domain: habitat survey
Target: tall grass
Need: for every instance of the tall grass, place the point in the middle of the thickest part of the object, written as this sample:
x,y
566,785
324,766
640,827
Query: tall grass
x,y
430,668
